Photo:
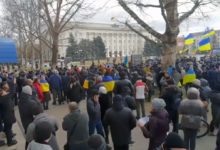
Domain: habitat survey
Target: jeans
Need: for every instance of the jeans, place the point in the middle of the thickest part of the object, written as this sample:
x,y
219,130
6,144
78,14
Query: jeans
x,y
174,118
140,103
121,147
96,125
8,132
57,94
190,138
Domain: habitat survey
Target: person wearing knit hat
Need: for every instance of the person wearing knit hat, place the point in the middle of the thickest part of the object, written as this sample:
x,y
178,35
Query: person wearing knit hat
x,y
96,142
158,104
27,90
158,125
42,134
173,142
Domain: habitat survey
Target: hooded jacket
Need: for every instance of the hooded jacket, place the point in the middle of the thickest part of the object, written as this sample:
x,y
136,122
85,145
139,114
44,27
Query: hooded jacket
x,y
44,117
121,122
80,135
25,106
191,110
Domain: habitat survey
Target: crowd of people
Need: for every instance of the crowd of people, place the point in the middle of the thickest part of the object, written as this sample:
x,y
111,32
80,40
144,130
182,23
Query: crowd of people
x,y
112,95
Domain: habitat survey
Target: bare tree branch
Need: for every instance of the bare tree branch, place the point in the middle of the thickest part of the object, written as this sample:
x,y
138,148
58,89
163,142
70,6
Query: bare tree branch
x,y
139,21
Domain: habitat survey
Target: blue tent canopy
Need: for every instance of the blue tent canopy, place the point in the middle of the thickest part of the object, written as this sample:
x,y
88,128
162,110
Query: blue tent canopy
x,y
8,53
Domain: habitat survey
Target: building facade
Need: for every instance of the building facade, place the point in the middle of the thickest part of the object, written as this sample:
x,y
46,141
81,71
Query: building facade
x,y
118,39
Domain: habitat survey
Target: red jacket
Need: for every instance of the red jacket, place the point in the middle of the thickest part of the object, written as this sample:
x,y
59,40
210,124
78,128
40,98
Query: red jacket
x,y
39,91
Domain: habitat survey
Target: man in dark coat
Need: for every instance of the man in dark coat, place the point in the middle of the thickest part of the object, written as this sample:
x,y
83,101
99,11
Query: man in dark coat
x,y
56,87
121,122
26,105
172,97
94,112
121,84
75,90
79,121
7,113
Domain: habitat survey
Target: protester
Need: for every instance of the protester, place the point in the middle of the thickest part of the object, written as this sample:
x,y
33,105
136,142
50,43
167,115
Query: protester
x,y
173,142
94,112
25,106
7,113
191,109
40,116
76,125
105,104
158,126
96,142
74,90
46,92
39,90
121,122
42,134
56,87
140,91
172,97
215,111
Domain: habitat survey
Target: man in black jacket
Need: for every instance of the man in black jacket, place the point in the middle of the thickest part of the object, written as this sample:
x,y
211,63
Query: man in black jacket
x,y
121,122
26,105
121,84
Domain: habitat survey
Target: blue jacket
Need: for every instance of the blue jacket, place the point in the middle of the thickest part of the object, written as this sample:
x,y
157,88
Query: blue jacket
x,y
55,82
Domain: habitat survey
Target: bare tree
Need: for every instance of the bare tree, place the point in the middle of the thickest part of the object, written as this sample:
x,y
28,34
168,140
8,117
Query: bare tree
x,y
44,20
170,12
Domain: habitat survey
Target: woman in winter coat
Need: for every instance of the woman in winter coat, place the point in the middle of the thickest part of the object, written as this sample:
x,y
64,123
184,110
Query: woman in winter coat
x,y
191,109
75,90
38,88
46,92
158,126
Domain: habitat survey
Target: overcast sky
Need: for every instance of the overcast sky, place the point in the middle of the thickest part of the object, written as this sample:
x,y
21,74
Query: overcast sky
x,y
195,24
110,8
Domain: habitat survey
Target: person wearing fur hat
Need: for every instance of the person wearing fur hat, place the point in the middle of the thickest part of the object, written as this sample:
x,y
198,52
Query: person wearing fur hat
x,y
42,135
158,125
191,109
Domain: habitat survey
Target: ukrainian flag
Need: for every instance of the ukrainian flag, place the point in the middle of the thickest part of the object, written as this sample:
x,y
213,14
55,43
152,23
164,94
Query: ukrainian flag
x,y
205,45
189,77
189,39
208,33
86,84
109,83
44,86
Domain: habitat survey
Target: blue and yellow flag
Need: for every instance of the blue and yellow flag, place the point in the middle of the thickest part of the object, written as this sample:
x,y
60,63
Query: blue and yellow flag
x,y
44,85
205,45
189,39
109,83
208,33
189,77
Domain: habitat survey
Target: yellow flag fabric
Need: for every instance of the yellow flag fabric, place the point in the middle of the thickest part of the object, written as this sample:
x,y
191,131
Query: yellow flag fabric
x,y
86,84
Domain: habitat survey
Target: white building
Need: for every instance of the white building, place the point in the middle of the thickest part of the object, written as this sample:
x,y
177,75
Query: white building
x,y
116,37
